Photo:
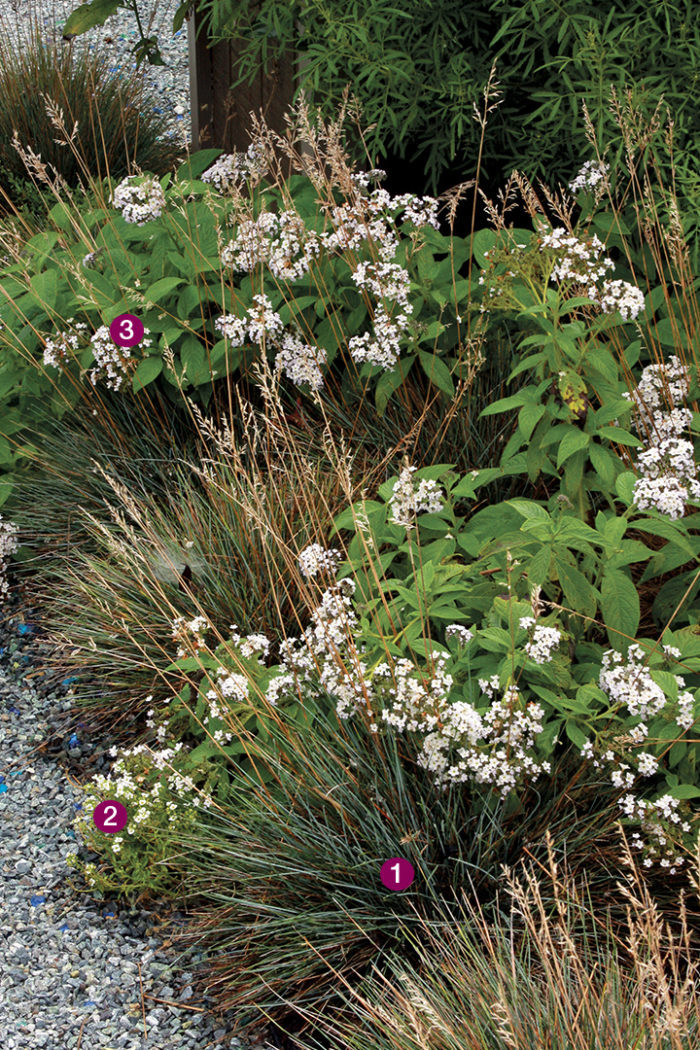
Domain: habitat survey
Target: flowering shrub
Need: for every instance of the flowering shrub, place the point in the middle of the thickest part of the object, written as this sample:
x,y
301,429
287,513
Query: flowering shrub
x,y
219,278
199,744
161,804
491,699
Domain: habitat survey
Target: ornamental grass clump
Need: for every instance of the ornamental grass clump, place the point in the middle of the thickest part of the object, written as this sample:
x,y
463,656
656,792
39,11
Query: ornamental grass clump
x,y
107,120
555,973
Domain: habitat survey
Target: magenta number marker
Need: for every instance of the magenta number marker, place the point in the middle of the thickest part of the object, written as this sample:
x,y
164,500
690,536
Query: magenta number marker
x,y
397,873
126,330
110,816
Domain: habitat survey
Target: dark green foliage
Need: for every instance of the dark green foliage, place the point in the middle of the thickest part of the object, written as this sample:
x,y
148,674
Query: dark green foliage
x,y
419,67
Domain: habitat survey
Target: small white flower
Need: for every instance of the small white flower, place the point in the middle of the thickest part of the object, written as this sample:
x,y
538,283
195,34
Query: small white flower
x,y
139,202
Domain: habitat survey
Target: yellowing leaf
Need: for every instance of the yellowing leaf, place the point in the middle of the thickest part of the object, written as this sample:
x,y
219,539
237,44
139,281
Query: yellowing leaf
x,y
573,391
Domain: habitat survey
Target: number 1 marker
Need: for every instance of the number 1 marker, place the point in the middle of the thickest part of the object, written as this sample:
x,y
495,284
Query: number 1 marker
x,y
397,873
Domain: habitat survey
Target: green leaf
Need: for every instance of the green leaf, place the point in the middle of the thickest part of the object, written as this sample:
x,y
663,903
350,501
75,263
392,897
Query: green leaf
x,y
528,418
162,287
148,370
573,441
684,791
575,735
529,509
603,461
579,593
538,567
620,436
506,403
197,163
624,486
90,15
437,372
619,602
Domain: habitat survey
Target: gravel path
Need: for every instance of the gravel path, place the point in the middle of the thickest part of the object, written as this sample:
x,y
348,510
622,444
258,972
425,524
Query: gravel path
x,y
115,39
70,963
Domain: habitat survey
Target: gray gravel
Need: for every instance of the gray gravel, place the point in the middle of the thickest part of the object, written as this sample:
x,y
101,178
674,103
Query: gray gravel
x,y
170,82
69,962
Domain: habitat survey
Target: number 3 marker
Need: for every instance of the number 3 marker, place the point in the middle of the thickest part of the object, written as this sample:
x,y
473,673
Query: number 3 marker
x,y
110,817
126,330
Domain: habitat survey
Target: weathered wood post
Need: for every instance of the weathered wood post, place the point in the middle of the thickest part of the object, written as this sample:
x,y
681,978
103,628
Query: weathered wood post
x,y
220,116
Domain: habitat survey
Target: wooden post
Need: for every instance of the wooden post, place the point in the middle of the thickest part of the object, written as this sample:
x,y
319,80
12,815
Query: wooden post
x,y
220,117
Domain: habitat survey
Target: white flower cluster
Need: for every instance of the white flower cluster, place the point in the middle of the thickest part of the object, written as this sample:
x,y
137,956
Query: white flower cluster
x,y
196,628
619,296
463,635
139,202
633,685
408,499
509,732
231,169
301,362
261,321
124,783
649,813
64,345
367,219
111,361
281,241
591,175
579,260
543,642
669,473
284,244
391,282
8,545
251,644
315,559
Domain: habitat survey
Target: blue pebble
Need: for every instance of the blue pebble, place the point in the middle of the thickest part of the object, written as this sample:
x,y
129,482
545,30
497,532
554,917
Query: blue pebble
x,y
73,741
70,834
68,681
109,914
3,789
77,805
14,710
64,927
37,900
25,628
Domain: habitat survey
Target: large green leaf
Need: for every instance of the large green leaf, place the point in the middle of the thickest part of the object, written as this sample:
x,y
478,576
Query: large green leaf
x,y
578,592
89,15
620,607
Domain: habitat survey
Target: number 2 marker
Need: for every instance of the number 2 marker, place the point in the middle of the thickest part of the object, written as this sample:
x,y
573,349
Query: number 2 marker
x,y
110,816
